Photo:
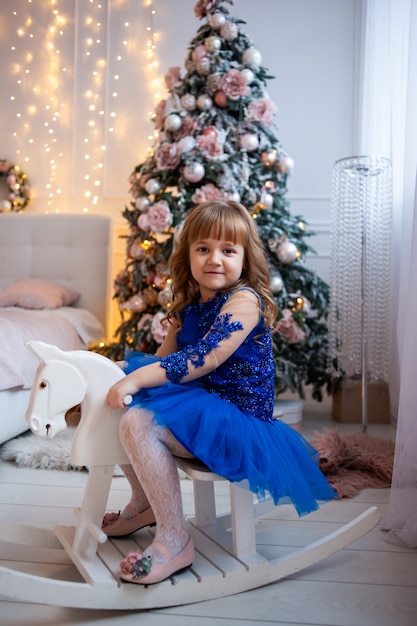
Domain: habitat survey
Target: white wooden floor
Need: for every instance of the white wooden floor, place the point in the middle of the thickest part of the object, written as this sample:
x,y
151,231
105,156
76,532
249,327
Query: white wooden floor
x,y
372,583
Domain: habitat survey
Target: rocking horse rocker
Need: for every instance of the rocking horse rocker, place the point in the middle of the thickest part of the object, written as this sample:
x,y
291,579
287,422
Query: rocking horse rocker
x,y
226,557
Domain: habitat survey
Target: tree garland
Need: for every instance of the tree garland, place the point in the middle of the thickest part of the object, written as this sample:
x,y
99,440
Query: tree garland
x,y
18,187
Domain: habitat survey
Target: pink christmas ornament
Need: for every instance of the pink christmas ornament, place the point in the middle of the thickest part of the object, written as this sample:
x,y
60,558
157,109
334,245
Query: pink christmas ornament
x,y
188,102
204,102
220,99
194,172
249,142
210,131
269,158
229,31
198,53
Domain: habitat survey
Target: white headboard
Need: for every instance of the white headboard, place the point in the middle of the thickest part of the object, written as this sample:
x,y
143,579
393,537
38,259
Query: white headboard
x,y
74,250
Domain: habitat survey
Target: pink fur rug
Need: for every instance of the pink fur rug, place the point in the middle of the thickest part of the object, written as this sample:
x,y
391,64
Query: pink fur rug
x,y
354,461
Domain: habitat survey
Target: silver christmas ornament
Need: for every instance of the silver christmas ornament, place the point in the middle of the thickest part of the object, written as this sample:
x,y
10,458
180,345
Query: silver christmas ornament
x,y
152,186
287,252
142,203
172,122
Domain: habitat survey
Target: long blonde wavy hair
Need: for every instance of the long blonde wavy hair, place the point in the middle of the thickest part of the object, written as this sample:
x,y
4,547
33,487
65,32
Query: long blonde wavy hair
x,y
226,221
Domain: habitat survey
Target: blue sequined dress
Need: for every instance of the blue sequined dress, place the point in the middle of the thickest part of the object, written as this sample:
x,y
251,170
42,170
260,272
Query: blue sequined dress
x,y
225,417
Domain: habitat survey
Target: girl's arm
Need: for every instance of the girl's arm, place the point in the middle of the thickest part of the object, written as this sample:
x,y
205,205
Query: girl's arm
x,y
237,318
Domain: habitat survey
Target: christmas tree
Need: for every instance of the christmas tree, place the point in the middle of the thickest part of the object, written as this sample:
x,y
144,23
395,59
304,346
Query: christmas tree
x,y
216,138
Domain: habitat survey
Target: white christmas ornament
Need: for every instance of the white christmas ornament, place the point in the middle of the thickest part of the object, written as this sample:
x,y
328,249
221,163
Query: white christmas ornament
x,y
267,200
249,142
204,102
286,164
212,44
203,66
232,195
252,57
152,186
194,172
276,283
172,122
248,74
287,252
217,20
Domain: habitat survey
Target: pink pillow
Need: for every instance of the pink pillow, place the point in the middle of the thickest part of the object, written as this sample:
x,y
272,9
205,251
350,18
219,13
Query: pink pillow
x,y
35,293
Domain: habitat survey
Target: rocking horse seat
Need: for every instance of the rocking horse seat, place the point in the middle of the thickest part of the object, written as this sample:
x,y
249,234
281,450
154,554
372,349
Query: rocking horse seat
x,y
241,541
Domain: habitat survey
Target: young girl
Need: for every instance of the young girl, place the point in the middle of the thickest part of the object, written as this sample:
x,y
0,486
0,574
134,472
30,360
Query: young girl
x,y
208,393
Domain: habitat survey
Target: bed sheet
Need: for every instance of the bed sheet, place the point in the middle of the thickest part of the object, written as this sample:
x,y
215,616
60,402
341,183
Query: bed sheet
x,y
67,328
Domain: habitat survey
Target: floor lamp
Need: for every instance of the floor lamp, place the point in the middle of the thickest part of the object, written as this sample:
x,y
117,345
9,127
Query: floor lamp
x,y
359,311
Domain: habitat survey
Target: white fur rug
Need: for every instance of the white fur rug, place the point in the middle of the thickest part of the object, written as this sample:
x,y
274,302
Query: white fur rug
x,y
31,451
36,452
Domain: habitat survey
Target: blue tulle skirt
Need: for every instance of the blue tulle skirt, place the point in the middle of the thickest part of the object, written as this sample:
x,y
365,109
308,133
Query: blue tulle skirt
x,y
272,457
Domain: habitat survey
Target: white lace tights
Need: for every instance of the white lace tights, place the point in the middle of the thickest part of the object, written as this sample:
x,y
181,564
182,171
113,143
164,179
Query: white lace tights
x,y
153,475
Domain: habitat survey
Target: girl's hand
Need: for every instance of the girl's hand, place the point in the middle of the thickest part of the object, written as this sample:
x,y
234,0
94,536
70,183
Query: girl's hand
x,y
120,394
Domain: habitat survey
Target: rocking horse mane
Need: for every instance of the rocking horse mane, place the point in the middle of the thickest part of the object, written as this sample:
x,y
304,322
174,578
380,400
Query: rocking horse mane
x,y
69,378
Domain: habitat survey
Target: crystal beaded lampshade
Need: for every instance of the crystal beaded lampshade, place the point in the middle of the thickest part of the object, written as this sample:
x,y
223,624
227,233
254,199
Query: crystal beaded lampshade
x,y
359,311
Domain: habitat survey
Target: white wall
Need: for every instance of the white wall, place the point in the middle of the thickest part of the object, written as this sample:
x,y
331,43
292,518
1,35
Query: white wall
x,y
310,48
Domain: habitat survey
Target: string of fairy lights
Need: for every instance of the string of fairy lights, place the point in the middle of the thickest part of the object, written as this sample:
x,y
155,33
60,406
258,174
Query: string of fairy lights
x,y
42,90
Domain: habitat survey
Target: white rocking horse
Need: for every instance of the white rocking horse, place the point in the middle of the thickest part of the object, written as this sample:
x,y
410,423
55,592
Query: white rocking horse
x,y
226,562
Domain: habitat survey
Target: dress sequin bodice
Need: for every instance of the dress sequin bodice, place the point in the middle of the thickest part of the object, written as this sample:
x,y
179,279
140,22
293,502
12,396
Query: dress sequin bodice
x,y
247,378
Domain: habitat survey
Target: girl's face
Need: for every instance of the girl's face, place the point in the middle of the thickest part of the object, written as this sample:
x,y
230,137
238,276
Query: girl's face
x,y
215,265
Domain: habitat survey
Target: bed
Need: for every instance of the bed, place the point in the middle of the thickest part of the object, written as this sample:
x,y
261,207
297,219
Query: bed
x,y
55,286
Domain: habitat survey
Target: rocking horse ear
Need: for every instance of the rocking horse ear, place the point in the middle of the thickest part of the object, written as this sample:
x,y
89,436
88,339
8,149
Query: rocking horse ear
x,y
43,351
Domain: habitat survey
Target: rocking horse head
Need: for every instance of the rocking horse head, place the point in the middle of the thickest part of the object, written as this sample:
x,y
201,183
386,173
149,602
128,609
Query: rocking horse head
x,y
57,387
64,380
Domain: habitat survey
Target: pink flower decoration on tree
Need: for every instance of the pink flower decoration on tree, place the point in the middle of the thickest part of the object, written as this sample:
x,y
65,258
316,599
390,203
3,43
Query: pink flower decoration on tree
x,y
262,110
206,193
210,146
204,8
168,156
159,216
160,113
198,53
188,126
158,327
172,77
234,84
289,329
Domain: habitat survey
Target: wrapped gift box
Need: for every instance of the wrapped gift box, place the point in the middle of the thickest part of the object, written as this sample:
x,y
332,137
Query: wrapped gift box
x,y
290,412
347,402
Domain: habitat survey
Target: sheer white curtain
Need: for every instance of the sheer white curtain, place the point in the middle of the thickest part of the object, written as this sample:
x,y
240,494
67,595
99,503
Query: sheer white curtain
x,y
388,127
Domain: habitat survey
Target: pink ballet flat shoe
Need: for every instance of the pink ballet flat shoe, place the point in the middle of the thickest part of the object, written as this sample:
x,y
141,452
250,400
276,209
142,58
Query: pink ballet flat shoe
x,y
138,568
116,526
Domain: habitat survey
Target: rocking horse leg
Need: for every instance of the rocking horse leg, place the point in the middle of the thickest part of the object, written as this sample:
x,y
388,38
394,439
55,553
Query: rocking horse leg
x,y
82,545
